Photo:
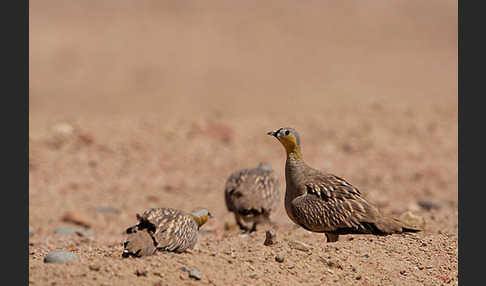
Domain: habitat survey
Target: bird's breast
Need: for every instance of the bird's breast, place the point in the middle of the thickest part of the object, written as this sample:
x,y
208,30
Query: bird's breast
x,y
289,197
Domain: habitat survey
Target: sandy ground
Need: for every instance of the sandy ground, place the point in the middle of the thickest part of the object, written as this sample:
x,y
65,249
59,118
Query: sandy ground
x,y
134,106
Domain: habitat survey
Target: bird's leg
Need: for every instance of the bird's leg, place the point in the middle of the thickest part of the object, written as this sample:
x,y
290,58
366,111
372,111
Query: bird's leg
x,y
253,227
332,237
240,224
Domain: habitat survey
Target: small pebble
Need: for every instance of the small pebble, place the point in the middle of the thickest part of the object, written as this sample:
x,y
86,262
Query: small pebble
x,y
429,205
299,245
31,231
412,219
60,256
358,277
141,272
366,255
94,267
194,273
270,238
280,258
63,128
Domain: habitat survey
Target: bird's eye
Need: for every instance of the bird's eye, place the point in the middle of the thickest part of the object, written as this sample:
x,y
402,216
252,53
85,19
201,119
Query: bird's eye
x,y
287,132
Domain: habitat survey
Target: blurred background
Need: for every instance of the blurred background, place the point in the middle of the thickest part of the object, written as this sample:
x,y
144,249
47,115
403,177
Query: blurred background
x,y
237,56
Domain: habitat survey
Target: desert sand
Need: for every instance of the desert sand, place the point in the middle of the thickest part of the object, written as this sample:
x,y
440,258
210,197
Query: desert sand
x,y
135,105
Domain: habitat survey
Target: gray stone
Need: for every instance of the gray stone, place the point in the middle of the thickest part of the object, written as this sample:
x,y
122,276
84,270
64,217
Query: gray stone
x,y
71,230
429,205
194,273
60,256
31,231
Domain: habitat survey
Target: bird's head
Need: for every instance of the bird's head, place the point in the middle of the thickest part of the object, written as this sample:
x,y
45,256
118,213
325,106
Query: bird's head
x,y
265,166
138,244
290,139
201,217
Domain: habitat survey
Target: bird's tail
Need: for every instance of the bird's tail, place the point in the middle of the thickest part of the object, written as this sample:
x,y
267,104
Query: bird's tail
x,y
394,225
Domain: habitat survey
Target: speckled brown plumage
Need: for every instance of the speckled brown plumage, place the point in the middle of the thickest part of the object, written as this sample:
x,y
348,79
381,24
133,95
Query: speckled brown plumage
x,y
322,202
163,229
252,194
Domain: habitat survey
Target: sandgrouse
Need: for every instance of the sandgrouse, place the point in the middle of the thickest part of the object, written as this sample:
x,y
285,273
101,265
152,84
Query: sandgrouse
x,y
252,195
322,202
164,229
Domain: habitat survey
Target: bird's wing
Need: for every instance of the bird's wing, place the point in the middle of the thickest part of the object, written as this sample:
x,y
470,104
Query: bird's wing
x,y
265,192
176,232
254,191
330,203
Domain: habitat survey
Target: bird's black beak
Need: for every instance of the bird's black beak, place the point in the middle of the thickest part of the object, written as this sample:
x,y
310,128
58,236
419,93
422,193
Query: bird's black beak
x,y
272,133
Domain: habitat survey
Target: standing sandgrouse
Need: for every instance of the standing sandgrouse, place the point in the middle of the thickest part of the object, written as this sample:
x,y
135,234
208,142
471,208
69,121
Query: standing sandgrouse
x,y
322,202
252,195
164,229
